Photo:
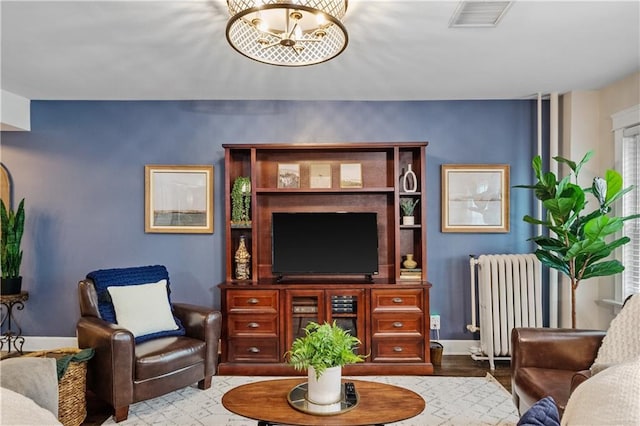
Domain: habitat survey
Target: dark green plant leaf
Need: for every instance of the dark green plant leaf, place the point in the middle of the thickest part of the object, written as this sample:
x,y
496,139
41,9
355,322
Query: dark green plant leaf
x,y
551,261
603,269
571,164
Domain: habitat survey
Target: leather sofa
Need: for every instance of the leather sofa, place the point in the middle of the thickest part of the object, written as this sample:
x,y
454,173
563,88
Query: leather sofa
x,y
123,372
550,361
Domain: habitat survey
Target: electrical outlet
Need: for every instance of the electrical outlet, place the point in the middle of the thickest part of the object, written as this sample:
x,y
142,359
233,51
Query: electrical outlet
x,y
435,322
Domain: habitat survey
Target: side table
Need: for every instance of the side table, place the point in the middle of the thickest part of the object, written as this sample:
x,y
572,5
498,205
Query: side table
x,y
12,337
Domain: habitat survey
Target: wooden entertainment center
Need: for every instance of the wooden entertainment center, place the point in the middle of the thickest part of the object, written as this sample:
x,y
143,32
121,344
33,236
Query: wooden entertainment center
x,y
390,315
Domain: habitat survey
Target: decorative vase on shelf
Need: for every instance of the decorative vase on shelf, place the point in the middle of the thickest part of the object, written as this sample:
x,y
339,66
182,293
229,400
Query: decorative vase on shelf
x,y
242,260
409,263
409,180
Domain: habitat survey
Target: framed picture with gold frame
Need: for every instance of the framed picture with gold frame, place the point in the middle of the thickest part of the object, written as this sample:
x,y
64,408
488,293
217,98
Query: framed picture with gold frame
x,y
475,198
350,175
288,175
320,175
178,199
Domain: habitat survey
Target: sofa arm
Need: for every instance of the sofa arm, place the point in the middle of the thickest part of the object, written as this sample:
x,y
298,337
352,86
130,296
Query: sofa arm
x,y
578,378
204,324
112,366
554,348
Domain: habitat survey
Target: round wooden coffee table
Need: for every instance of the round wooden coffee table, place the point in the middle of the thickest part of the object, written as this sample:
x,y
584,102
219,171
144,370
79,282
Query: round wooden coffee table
x,y
266,402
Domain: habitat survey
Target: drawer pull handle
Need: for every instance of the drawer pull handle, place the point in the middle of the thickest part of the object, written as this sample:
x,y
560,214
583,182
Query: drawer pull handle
x,y
253,325
252,301
253,350
397,349
397,300
398,324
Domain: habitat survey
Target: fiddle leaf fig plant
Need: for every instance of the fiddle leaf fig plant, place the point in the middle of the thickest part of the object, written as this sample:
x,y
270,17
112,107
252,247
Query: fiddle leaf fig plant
x,y
579,241
12,224
324,346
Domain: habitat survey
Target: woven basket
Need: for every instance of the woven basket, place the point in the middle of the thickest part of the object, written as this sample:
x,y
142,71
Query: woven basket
x,y
72,402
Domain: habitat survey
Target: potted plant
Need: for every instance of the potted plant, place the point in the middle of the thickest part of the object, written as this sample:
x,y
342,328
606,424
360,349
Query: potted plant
x,y
12,224
241,201
408,205
577,242
322,351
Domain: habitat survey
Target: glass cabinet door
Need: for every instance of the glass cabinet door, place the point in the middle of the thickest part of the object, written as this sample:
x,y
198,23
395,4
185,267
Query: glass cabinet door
x,y
303,306
346,308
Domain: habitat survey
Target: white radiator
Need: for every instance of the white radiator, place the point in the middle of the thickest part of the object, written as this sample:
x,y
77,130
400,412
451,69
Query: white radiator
x,y
509,292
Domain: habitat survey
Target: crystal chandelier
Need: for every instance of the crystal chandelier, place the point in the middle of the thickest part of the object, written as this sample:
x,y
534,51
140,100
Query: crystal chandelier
x,y
287,32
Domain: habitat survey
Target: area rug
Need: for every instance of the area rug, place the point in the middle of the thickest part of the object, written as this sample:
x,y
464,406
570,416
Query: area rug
x,y
449,401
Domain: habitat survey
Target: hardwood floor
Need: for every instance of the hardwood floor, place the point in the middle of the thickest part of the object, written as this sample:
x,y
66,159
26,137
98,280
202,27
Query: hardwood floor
x,y
452,366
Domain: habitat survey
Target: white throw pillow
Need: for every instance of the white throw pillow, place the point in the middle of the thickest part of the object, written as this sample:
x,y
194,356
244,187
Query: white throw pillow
x,y
144,308
611,397
622,341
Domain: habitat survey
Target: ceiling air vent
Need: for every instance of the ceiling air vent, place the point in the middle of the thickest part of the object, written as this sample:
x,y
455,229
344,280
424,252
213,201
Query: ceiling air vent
x,y
473,14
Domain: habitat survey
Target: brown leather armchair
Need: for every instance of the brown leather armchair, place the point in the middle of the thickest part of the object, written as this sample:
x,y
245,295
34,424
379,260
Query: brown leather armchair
x,y
550,361
123,372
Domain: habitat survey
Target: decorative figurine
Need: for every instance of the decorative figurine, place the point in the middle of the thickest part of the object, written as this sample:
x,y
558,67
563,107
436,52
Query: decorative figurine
x,y
243,272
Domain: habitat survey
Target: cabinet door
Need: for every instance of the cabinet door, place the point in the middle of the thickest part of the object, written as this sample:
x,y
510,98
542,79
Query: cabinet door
x,y
302,307
347,308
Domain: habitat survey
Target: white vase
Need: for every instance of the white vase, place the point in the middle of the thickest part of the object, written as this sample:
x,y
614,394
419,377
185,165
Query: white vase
x,y
327,389
409,180
408,220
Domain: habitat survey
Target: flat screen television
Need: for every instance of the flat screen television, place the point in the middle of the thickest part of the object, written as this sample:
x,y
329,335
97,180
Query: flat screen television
x,y
324,243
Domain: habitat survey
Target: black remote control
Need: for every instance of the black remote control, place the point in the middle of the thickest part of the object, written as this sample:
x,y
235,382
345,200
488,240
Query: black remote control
x,y
350,392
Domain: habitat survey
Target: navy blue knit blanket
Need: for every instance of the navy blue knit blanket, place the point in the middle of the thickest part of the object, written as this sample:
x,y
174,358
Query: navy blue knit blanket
x,y
104,278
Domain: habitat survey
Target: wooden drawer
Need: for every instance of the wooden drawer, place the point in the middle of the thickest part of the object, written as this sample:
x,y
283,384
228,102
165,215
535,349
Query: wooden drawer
x,y
252,325
400,350
252,300
395,300
253,350
401,324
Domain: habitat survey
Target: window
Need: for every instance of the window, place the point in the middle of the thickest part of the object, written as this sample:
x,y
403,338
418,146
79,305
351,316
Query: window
x,y
626,127
631,205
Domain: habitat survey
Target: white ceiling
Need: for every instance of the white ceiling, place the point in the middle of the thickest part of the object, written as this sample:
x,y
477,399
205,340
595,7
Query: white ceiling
x,y
398,50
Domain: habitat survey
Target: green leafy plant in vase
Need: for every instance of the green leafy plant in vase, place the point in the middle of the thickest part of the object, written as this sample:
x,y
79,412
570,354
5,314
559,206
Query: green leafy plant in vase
x,y
408,205
12,227
323,351
241,201
578,241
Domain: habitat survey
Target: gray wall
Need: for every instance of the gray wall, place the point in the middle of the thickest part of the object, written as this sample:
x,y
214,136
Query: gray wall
x,y
81,170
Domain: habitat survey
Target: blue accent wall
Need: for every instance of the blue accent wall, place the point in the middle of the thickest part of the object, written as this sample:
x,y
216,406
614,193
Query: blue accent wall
x,y
81,170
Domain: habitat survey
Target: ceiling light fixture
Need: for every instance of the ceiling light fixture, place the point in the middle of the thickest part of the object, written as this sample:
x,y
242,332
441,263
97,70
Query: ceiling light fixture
x,y
287,32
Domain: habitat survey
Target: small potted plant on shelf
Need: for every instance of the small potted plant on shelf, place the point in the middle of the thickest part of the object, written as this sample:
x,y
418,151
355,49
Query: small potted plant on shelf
x,y
323,351
241,201
12,224
408,205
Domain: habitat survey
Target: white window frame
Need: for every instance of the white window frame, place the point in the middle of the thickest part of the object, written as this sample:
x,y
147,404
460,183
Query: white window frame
x,y
622,120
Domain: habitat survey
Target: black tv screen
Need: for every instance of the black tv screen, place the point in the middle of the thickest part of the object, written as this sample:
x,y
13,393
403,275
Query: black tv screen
x,y
324,243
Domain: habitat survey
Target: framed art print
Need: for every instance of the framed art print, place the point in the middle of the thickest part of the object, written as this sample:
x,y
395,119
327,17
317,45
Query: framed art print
x,y
351,175
320,175
178,199
288,175
475,198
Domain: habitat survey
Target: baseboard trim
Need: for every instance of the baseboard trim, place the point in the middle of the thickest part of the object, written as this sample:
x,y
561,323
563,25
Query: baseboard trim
x,y
458,347
38,343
